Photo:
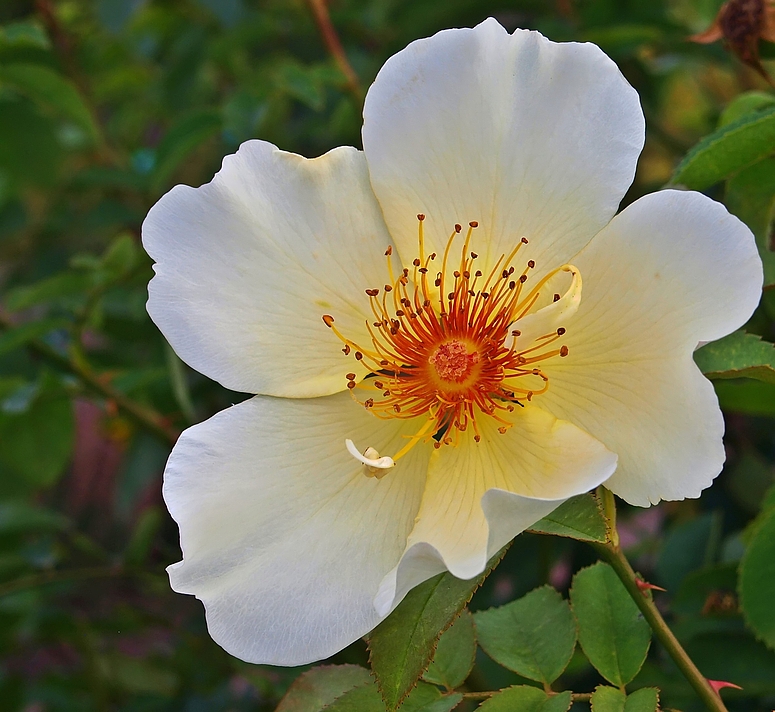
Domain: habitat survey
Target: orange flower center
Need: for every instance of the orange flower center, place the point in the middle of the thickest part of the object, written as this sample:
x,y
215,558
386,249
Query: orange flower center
x,y
445,345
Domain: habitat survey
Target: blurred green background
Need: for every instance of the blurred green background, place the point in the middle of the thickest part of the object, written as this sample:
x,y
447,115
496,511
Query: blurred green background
x,y
106,104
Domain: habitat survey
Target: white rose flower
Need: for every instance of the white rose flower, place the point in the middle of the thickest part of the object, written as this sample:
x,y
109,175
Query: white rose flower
x,y
428,388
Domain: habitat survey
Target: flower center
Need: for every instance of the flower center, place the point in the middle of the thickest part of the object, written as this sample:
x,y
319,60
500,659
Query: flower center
x,y
455,365
446,344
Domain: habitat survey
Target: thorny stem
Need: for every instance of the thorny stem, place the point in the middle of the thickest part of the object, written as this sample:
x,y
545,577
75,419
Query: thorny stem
x,y
334,46
142,415
613,554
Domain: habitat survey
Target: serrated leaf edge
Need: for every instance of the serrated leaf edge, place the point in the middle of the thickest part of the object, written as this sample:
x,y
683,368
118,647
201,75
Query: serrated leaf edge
x,y
496,559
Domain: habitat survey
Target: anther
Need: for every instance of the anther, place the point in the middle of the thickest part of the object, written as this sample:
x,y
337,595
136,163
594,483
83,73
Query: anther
x,y
368,403
561,331
351,384
358,355
378,384
420,217
350,376
516,332
400,312
477,438
388,288
416,262
456,274
473,223
372,292
502,430
523,278
346,350
524,241
531,263
505,274
458,227
556,298
474,255
328,320
563,351
512,284
389,251
478,273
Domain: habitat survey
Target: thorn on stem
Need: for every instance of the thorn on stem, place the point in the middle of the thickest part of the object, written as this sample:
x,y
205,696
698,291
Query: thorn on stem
x,y
721,684
645,586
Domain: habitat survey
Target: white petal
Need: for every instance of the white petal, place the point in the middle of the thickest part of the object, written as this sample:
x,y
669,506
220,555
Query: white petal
x,y
526,136
284,537
554,315
247,265
673,269
479,496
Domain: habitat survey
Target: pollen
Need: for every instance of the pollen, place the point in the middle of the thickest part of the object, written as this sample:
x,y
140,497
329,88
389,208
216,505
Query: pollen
x,y
444,343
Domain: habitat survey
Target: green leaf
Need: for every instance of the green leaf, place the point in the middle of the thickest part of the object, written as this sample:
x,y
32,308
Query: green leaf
x,y
698,586
534,636
745,396
579,518
27,33
303,83
750,195
727,151
120,257
145,531
526,699
757,580
20,336
186,135
20,517
366,698
402,646
738,355
748,102
609,699
67,284
455,654
313,690
50,89
688,546
612,632
736,657
38,440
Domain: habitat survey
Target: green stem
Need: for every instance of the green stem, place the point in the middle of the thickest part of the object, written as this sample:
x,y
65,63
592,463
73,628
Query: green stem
x,y
142,415
613,554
